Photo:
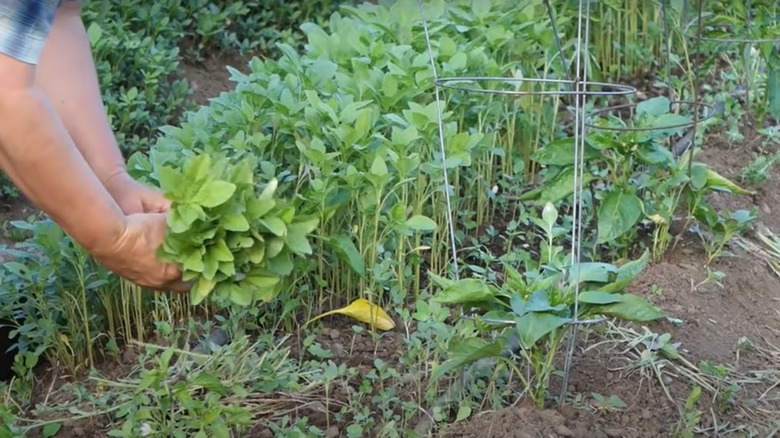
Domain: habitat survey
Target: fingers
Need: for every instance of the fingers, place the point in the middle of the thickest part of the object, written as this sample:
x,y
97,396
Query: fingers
x,y
155,202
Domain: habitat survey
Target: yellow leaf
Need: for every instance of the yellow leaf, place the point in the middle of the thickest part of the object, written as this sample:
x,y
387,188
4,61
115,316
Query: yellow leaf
x,y
657,219
362,310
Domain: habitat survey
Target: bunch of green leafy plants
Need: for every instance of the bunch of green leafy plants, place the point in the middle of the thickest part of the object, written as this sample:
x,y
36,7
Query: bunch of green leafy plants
x,y
234,239
530,312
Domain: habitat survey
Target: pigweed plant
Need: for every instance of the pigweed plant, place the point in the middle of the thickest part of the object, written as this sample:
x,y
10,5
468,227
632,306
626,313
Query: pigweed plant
x,y
233,241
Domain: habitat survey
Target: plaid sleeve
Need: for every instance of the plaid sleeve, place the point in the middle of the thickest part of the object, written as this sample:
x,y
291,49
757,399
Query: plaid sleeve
x,y
24,26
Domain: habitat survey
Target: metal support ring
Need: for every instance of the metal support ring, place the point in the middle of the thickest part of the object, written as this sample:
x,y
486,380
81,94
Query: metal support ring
x,y
451,83
713,111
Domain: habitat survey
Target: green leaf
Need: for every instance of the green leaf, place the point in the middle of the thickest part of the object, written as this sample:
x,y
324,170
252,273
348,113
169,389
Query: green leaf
x,y
210,382
421,223
297,241
263,281
282,264
464,352
699,176
198,168
51,429
257,252
718,182
235,222
348,252
268,192
773,87
618,214
220,251
630,308
466,291
171,181
656,106
594,272
192,261
214,193
534,326
597,297
257,208
539,301
274,225
378,167
201,290
558,188
241,296
627,273
560,152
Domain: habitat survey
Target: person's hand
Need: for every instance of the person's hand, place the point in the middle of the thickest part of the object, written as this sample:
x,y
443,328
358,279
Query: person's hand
x,y
133,254
134,197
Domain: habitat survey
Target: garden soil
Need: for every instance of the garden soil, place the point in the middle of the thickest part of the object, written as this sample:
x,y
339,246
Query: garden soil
x,y
718,324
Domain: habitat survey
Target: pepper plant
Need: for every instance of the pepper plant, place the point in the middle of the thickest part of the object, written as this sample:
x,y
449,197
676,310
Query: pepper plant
x,y
636,177
533,308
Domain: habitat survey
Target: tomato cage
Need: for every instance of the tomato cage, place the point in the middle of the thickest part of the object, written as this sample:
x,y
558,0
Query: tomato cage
x,y
577,88
758,32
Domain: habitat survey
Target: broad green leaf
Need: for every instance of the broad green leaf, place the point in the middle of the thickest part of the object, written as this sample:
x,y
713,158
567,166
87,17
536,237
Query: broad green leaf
x,y
214,193
240,296
539,301
557,189
549,216
282,264
630,308
348,252
263,281
378,168
534,326
268,192
718,182
210,265
618,214
699,175
674,123
593,272
297,240
655,107
51,430
209,382
220,251
274,246
193,261
197,168
560,152
655,154
597,297
257,208
201,290
235,222
627,273
171,181
257,252
467,351
421,223
274,225
466,291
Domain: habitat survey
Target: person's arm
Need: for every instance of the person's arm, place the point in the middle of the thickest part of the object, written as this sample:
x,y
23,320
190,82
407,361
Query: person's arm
x,y
35,150
39,157
66,60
